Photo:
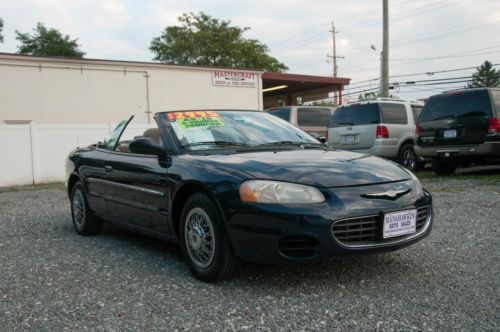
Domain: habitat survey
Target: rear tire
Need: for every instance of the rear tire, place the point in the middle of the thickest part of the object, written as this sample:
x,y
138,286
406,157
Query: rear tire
x,y
84,221
441,167
204,240
408,158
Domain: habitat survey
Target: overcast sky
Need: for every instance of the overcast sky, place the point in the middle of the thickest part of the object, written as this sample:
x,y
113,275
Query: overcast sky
x,y
425,36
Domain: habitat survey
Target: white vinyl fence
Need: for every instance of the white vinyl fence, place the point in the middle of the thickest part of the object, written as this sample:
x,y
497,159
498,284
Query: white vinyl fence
x,y
36,153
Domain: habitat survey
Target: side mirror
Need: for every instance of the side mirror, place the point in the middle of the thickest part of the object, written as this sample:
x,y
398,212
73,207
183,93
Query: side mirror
x,y
145,145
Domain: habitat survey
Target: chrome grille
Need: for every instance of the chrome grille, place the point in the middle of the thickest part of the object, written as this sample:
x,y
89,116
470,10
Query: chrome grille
x,y
367,228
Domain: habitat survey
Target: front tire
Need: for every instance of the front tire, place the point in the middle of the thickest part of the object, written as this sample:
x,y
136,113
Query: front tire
x,y
443,167
84,221
204,240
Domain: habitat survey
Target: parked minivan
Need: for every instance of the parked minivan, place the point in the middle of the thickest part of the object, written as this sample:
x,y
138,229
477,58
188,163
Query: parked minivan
x,y
311,119
382,127
460,127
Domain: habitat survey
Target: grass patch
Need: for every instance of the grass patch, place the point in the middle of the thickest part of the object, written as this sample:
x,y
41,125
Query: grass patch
x,y
446,189
485,176
31,187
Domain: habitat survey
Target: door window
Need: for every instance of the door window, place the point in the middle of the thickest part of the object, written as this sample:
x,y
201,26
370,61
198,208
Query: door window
x,y
111,142
282,113
313,116
393,113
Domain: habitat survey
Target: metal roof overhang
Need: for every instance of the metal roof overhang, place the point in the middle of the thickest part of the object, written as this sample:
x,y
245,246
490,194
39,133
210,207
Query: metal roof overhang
x,y
307,87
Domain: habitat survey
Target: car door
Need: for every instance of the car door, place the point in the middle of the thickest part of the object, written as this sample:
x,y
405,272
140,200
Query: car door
x,y
136,188
93,172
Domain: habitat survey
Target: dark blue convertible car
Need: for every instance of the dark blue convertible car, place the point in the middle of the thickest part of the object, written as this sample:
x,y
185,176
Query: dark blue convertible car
x,y
230,185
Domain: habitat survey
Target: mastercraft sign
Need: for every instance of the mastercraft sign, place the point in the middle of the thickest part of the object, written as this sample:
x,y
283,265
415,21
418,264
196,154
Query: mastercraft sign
x,y
234,78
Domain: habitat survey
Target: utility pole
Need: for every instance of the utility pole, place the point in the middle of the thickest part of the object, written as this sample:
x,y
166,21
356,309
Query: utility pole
x,y
384,77
334,56
334,49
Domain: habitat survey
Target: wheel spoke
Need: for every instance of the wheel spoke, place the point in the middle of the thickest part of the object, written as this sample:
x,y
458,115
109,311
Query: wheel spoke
x,y
199,237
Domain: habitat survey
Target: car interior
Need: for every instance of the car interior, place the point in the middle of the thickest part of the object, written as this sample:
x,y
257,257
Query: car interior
x,y
153,133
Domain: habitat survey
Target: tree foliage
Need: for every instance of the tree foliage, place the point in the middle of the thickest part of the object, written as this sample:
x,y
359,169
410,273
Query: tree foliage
x,y
1,30
373,96
485,75
203,40
48,42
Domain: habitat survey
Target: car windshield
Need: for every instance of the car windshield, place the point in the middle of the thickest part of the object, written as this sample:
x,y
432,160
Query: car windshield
x,y
198,130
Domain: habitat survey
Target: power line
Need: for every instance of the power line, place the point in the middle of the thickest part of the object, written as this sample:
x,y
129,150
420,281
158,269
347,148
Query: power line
x,y
425,73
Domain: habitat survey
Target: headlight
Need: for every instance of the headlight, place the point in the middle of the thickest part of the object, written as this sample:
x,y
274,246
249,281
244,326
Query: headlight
x,y
261,191
416,182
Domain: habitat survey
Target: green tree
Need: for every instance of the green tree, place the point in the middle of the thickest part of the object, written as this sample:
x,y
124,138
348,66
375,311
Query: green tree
x,y
48,42
203,40
373,96
485,75
1,30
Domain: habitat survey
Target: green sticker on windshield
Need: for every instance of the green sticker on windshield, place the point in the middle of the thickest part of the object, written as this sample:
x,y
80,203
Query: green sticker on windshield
x,y
200,123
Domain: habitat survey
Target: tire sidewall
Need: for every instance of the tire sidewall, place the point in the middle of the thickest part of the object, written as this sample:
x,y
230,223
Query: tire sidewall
x,y
401,157
212,272
91,225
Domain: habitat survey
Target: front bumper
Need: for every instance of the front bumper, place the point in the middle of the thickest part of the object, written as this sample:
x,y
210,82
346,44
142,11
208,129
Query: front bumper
x,y
286,234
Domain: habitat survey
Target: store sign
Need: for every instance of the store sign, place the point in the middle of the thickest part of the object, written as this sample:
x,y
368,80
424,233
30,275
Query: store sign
x,y
234,78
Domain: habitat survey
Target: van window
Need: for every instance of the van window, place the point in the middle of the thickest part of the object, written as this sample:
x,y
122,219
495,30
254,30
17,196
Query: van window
x,y
393,113
496,100
355,115
313,116
456,104
282,113
416,111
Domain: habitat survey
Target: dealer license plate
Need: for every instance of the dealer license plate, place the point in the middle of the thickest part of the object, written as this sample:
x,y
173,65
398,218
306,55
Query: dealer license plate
x,y
450,133
400,223
349,139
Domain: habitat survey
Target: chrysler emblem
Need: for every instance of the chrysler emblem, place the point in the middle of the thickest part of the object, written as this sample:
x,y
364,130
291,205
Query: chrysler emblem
x,y
391,194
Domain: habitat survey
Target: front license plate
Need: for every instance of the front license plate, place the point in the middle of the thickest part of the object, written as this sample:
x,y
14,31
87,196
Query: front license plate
x,y
450,133
400,223
349,139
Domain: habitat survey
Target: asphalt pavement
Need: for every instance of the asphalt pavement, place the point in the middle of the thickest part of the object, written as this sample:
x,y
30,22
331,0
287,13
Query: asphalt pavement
x,y
53,279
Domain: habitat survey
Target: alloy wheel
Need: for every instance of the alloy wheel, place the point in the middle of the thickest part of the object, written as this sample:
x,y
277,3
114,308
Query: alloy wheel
x,y
78,208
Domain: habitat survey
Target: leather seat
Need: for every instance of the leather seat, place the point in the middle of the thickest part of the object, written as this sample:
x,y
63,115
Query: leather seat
x,y
154,134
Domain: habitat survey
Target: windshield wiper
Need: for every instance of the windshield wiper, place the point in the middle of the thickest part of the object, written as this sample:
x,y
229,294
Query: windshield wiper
x,y
291,143
221,143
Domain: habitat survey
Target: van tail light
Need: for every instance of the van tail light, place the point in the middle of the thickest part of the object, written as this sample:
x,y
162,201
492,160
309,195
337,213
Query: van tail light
x,y
417,131
382,132
493,126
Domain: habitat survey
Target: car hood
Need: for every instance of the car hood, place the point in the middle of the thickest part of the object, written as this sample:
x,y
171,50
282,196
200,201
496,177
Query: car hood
x,y
320,168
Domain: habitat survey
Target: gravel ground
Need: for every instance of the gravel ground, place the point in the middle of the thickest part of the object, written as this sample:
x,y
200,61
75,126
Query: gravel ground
x,y
52,279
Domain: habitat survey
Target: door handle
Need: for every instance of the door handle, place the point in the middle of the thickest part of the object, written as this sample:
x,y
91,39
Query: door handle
x,y
108,169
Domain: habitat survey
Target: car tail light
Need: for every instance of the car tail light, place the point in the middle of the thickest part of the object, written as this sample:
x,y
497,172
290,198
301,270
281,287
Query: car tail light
x,y
382,132
417,131
493,126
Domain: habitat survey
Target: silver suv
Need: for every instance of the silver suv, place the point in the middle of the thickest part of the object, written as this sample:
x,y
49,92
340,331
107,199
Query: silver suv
x,y
311,119
382,127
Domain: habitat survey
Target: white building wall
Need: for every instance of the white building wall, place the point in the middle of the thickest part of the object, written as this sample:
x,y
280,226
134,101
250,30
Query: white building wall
x,y
48,90
36,153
